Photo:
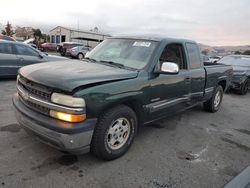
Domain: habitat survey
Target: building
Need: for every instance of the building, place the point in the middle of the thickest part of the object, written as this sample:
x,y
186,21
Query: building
x,y
64,34
23,33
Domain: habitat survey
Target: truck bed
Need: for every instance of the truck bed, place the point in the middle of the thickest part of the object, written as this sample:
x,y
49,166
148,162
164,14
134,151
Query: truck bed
x,y
215,72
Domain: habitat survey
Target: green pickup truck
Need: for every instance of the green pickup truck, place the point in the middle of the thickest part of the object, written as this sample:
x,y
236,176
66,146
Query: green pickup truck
x,y
97,104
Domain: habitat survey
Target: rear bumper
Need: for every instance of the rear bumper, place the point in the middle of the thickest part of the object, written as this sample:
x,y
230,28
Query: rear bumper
x,y
49,131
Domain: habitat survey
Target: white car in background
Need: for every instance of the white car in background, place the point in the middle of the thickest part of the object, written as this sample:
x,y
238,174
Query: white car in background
x,y
214,59
78,51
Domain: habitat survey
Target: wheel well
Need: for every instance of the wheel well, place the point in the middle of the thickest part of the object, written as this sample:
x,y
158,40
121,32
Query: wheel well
x,y
223,84
137,107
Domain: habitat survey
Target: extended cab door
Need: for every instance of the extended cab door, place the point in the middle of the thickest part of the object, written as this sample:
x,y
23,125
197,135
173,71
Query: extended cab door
x,y
170,93
8,60
197,72
26,55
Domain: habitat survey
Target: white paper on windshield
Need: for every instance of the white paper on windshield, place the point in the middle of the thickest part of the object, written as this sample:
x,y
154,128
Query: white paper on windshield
x,y
142,44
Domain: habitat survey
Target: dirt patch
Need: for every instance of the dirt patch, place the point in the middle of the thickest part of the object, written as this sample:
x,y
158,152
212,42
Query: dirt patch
x,y
185,156
11,128
54,163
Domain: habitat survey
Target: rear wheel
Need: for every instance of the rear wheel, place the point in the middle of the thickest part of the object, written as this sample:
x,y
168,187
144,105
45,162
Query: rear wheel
x,y
213,104
244,87
114,133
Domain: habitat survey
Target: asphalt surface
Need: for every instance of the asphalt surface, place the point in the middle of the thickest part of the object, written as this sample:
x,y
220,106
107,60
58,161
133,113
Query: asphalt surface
x,y
192,149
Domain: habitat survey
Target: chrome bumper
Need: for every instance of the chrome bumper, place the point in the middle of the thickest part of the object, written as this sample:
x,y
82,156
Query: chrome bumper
x,y
64,139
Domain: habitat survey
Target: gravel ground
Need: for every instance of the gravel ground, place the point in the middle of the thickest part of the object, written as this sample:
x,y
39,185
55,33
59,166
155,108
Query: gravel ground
x,y
192,149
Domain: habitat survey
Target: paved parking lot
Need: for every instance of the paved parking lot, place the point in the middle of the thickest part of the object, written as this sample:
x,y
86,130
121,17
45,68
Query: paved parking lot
x,y
193,149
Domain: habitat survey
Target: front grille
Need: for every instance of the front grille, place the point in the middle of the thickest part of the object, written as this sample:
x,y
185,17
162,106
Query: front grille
x,y
35,89
35,107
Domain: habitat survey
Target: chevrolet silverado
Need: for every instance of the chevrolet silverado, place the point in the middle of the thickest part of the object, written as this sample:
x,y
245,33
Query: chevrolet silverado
x,y
97,104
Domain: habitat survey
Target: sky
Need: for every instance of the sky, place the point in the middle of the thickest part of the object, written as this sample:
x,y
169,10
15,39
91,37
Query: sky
x,y
211,22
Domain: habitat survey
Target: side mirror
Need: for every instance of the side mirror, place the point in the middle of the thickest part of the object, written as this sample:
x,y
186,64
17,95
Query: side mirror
x,y
169,68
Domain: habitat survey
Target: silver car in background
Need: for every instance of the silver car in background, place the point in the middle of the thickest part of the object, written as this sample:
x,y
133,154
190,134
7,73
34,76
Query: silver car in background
x,y
78,51
14,55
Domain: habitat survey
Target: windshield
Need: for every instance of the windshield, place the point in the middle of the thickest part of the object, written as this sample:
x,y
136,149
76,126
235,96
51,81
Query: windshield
x,y
236,60
127,52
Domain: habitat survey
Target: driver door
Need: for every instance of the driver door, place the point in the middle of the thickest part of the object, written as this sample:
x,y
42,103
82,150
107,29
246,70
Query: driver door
x,y
170,92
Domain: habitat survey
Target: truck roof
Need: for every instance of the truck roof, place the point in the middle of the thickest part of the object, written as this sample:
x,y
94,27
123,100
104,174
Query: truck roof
x,y
154,38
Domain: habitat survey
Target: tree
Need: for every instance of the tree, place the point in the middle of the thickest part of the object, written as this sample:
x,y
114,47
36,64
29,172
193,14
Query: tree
x,y
8,30
37,34
237,53
247,52
205,52
45,37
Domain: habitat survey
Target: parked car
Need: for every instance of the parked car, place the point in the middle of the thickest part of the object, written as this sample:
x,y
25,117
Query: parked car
x,y
78,51
4,37
48,47
31,42
241,72
214,59
14,55
206,59
62,48
99,103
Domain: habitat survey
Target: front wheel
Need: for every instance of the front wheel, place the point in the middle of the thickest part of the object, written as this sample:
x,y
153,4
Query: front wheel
x,y
213,104
114,133
80,56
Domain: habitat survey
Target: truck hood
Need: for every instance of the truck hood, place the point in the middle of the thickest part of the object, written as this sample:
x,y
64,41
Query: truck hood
x,y
68,75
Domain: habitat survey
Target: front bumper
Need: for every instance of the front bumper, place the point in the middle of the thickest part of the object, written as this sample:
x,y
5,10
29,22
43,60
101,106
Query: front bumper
x,y
237,82
50,130
235,85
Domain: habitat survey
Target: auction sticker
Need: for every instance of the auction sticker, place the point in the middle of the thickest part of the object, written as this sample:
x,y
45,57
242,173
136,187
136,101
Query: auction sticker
x,y
142,44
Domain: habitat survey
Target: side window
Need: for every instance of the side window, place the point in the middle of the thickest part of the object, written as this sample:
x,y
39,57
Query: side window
x,y
5,48
25,50
193,55
174,53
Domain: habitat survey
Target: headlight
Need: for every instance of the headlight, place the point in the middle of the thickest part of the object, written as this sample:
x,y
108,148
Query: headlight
x,y
67,100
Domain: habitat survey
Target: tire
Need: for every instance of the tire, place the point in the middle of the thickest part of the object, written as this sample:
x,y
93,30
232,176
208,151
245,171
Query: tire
x,y
104,144
80,56
244,87
213,104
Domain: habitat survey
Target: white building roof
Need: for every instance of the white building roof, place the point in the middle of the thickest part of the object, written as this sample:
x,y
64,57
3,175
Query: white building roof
x,y
80,30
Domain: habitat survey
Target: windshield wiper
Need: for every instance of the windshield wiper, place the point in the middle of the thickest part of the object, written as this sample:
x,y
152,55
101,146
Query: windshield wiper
x,y
113,63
